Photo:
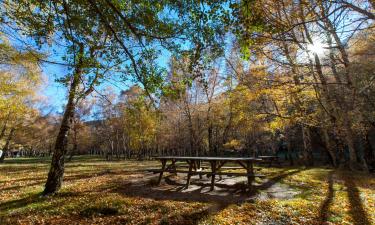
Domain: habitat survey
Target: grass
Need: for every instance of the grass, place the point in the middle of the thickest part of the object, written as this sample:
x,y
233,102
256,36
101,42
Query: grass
x,y
100,192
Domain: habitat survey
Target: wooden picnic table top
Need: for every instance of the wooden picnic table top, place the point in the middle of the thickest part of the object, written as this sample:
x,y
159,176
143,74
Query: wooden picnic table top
x,y
267,156
208,158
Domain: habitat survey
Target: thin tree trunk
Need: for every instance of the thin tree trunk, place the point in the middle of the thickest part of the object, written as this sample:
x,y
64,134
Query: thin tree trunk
x,y
307,153
329,147
289,150
56,172
306,136
339,107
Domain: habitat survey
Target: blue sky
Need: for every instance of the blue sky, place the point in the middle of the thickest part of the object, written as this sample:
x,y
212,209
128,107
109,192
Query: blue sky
x,y
55,92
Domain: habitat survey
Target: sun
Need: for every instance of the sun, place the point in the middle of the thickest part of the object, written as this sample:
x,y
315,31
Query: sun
x,y
317,47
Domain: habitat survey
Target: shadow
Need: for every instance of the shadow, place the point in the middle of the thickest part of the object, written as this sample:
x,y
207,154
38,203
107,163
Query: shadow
x,y
356,210
20,203
218,200
227,194
192,218
273,180
232,188
8,161
67,178
146,191
20,169
323,212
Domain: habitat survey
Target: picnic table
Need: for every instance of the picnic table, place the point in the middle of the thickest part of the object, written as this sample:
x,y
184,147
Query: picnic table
x,y
269,159
215,165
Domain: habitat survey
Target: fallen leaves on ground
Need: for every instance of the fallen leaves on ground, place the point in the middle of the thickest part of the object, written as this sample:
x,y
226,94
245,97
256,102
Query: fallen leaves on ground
x,y
91,196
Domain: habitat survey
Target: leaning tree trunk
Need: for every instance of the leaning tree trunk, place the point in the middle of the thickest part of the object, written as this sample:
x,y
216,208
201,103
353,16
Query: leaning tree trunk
x,y
75,142
56,172
7,144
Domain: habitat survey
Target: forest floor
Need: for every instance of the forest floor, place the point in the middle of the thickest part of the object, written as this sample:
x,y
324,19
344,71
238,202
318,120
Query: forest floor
x,y
100,192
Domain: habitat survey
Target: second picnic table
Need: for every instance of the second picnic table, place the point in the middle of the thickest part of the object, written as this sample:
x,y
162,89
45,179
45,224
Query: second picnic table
x,y
216,164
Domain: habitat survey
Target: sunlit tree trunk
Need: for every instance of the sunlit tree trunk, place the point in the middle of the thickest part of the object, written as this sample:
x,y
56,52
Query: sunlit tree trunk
x,y
75,141
56,172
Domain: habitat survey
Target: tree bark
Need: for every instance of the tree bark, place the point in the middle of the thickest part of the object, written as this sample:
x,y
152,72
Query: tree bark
x,y
307,153
2,133
7,144
56,172
289,149
329,147
75,141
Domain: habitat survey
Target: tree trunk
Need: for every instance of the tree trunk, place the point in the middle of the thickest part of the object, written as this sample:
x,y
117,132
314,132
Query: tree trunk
x,y
349,140
75,141
56,172
307,153
211,148
289,150
369,152
7,144
2,133
191,139
329,147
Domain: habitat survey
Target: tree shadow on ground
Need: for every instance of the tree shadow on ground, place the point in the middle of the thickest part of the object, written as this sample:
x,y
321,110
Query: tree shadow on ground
x,y
19,203
33,181
357,210
193,217
218,199
273,180
144,189
34,160
324,213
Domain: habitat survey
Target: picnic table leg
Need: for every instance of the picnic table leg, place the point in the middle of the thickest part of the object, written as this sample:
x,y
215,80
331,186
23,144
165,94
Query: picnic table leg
x,y
173,166
270,164
198,163
163,163
191,164
213,170
221,164
250,170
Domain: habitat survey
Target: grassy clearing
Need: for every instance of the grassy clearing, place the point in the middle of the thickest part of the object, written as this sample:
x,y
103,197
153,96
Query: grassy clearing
x,y
100,192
